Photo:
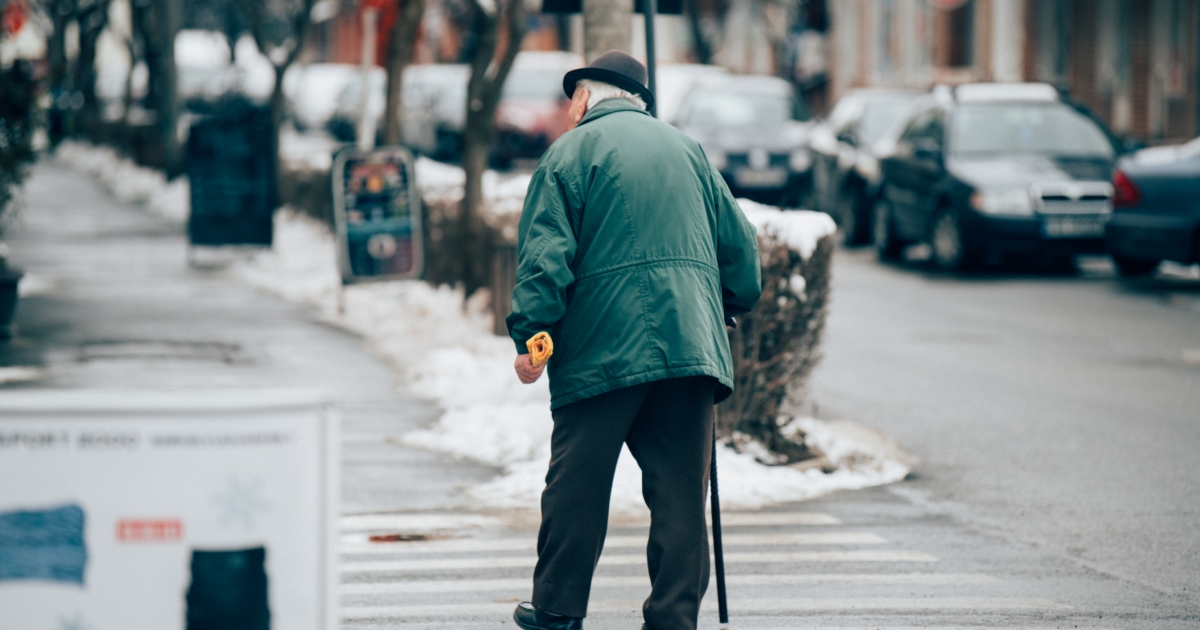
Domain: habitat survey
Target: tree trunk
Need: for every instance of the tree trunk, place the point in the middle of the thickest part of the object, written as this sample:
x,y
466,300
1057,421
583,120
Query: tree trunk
x,y
483,94
92,21
400,54
607,25
700,44
56,53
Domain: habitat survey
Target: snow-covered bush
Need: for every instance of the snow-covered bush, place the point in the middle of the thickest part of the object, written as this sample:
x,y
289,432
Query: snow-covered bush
x,y
776,346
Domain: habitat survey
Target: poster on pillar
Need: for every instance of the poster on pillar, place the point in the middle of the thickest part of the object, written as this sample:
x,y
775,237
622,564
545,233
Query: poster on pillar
x,y
168,510
377,212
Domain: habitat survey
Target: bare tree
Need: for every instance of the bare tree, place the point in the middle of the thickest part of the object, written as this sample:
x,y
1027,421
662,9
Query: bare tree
x,y
488,73
279,28
157,22
92,17
400,54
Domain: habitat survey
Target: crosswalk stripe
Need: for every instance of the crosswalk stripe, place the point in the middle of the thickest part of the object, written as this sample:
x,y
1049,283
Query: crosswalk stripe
x,y
416,522
529,543
745,606
434,564
434,521
610,581
742,519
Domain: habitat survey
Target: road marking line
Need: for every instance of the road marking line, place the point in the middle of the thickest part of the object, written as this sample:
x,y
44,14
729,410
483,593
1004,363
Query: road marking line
x,y
421,522
434,564
607,581
746,519
747,607
529,543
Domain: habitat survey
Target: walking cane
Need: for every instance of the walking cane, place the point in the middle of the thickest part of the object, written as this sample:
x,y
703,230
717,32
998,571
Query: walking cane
x,y
718,548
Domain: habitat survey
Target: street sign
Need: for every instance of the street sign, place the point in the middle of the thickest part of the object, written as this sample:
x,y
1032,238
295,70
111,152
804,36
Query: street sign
x,y
165,510
377,209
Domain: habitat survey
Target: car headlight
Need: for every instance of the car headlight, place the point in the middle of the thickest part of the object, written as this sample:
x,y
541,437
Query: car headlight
x,y
1012,201
799,160
718,158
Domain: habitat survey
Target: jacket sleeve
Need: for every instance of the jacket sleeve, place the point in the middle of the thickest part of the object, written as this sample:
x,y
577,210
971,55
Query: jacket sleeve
x,y
545,248
737,251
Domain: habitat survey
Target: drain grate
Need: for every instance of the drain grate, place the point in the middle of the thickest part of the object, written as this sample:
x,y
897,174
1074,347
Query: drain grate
x,y
162,350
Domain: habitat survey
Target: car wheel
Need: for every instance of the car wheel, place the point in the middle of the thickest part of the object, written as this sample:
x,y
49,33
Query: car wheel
x,y
950,251
1135,267
887,244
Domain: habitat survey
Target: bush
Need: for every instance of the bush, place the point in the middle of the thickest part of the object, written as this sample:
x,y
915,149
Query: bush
x,y
18,110
776,346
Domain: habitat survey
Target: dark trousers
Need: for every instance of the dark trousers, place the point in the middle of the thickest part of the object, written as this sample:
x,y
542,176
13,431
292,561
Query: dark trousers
x,y
668,427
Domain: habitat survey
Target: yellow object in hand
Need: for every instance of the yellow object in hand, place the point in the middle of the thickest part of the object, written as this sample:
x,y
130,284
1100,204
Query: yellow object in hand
x,y
541,347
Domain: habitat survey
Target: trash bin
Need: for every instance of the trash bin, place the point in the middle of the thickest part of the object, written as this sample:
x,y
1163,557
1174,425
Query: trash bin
x,y
231,173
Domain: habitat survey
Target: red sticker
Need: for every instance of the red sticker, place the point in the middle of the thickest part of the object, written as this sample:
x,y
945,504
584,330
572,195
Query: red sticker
x,y
149,529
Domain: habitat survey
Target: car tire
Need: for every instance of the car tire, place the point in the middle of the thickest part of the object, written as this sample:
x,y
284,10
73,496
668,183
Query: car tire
x,y
854,223
1129,267
887,244
951,252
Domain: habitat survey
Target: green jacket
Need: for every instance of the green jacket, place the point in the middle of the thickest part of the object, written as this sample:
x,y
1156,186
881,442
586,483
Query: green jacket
x,y
631,253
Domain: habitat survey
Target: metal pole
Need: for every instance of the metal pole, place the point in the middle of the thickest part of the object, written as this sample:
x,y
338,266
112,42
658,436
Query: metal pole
x,y
366,118
718,548
649,9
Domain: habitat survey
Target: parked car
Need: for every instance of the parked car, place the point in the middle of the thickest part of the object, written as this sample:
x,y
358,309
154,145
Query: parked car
x,y
532,112
988,170
434,104
1156,209
751,128
312,91
845,149
674,81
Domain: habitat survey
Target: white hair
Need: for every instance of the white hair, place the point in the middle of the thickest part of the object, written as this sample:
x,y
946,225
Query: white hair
x,y
598,91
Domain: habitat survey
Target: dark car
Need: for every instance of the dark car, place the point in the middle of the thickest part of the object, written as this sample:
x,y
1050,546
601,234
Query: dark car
x,y
990,170
845,170
751,130
1156,209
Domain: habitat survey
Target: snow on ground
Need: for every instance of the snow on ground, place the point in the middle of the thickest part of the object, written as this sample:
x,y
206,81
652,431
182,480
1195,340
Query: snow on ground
x,y
127,181
442,347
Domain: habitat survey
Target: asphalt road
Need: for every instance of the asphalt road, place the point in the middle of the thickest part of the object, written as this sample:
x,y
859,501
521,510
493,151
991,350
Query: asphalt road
x,y
1062,411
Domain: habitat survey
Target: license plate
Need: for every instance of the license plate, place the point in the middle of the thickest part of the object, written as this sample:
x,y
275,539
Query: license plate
x,y
1074,227
765,178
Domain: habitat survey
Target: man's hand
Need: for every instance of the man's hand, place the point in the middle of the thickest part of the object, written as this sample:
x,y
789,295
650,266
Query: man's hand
x,y
525,370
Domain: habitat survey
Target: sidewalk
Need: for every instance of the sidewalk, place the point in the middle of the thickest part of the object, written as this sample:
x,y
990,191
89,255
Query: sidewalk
x,y
114,305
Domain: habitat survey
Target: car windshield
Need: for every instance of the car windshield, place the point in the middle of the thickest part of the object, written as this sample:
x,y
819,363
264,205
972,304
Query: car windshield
x,y
879,116
739,109
540,84
1047,129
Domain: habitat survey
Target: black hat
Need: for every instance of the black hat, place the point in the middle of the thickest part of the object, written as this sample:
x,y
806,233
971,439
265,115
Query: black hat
x,y
614,68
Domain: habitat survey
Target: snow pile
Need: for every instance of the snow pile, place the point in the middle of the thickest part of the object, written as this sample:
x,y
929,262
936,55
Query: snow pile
x,y
127,181
445,352
800,229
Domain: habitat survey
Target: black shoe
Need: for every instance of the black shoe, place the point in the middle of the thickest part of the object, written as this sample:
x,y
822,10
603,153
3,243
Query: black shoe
x,y
531,618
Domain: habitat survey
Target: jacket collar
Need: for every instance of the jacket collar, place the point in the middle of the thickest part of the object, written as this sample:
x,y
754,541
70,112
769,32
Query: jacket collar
x,y
608,106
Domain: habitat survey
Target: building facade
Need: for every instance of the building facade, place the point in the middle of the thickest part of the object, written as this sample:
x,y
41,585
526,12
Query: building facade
x,y
1133,62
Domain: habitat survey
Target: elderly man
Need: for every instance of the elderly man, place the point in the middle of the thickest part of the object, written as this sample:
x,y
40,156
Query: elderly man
x,y
632,255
